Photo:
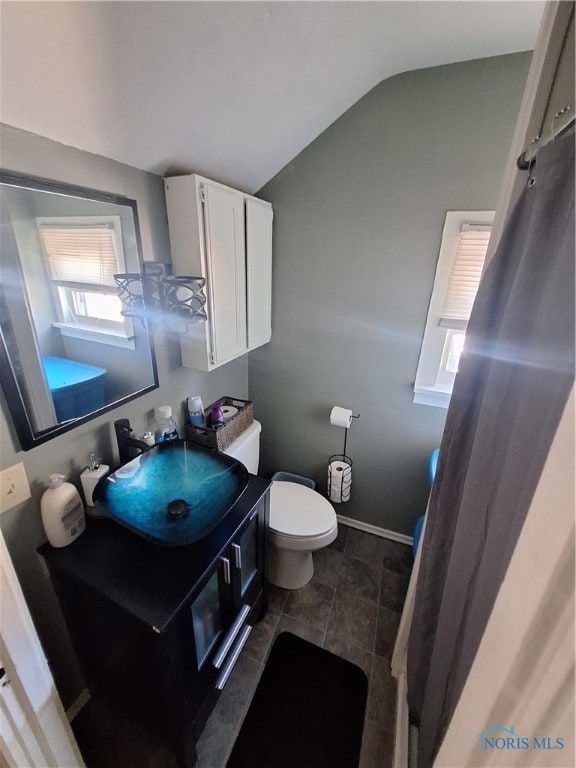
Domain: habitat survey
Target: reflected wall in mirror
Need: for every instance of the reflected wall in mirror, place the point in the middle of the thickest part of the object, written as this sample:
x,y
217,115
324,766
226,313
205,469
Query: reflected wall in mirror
x,y
68,353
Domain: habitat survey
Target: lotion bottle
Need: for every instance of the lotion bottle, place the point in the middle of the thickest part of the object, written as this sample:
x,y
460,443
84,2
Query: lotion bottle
x,y
62,512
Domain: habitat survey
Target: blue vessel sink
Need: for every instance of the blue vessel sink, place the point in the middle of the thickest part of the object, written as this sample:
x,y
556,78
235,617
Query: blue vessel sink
x,y
173,494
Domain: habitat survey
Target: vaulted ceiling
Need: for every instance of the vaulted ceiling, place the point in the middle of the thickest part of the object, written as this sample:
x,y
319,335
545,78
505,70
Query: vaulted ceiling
x,y
233,90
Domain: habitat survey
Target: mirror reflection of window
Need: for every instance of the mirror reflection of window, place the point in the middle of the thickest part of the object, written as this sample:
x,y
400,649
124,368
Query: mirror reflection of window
x,y
82,255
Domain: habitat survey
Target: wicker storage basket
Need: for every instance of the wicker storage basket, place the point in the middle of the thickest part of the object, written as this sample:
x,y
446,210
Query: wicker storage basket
x,y
221,437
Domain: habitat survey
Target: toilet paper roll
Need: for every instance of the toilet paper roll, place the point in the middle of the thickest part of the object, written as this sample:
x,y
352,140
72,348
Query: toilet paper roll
x,y
228,411
340,417
339,481
340,473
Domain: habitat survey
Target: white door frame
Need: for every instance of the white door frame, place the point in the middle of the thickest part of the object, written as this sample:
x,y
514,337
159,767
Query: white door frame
x,y
34,730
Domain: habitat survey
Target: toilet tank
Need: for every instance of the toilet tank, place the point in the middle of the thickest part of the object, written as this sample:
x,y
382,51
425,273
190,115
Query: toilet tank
x,y
246,447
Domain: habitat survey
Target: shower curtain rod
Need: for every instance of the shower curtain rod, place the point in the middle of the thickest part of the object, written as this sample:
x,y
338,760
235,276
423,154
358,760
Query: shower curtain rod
x,y
562,121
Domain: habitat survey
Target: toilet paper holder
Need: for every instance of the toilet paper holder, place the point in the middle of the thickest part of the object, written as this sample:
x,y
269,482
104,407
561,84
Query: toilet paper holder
x,y
342,417
340,465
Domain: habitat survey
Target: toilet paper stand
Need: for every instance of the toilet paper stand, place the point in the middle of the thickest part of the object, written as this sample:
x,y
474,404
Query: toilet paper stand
x,y
340,465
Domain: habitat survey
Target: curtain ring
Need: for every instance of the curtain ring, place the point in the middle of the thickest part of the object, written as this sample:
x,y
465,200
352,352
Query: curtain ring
x,y
556,116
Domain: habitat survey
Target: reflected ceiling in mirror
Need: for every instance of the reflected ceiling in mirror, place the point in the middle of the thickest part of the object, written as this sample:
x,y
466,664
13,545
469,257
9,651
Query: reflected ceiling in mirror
x,y
68,352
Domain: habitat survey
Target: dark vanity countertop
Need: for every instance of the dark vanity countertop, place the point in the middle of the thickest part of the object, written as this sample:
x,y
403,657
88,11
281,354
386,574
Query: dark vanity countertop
x,y
149,581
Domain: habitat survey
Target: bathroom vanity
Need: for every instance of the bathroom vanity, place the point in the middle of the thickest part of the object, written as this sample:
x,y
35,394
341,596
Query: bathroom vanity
x,y
158,629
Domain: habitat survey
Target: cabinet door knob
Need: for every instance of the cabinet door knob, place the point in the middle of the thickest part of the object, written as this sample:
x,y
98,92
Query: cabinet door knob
x,y
226,566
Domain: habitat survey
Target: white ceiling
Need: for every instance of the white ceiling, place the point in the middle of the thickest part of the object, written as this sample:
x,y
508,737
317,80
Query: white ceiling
x,y
233,90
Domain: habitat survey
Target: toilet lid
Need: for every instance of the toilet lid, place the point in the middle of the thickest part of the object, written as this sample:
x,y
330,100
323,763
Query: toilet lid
x,y
299,511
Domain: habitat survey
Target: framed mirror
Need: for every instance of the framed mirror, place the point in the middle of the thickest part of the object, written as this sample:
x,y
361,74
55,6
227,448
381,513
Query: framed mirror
x,y
67,353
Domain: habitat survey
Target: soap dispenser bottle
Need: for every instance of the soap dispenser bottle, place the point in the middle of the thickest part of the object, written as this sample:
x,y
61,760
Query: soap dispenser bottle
x,y
62,512
167,429
90,479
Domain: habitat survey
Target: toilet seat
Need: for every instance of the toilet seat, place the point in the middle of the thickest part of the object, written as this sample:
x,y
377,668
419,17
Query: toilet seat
x,y
298,512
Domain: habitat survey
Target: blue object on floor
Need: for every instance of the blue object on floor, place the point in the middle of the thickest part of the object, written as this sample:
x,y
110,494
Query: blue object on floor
x,y
432,467
288,477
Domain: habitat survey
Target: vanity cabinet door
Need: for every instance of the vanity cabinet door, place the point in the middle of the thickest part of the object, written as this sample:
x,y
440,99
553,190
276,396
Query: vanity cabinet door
x,y
209,611
246,555
248,558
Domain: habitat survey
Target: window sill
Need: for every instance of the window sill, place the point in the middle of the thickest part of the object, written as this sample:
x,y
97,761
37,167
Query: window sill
x,y
102,335
436,396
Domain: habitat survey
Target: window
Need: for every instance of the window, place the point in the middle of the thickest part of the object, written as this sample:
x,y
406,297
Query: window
x,y
460,262
82,255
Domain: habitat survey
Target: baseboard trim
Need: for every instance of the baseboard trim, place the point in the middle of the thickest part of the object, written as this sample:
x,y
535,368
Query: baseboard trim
x,y
374,529
77,705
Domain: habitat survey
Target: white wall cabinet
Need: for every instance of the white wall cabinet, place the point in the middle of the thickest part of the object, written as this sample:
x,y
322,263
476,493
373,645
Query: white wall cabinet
x,y
225,236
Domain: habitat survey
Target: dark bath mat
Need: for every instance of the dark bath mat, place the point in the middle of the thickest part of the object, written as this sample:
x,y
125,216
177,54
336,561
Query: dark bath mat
x,y
307,711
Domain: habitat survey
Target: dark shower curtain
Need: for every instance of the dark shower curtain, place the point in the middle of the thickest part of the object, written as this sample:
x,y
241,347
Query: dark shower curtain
x,y
515,376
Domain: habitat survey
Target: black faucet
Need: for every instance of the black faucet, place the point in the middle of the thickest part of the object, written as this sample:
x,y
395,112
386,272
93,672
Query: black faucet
x,y
128,447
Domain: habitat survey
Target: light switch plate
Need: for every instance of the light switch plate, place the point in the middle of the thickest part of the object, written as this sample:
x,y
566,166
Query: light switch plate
x,y
14,487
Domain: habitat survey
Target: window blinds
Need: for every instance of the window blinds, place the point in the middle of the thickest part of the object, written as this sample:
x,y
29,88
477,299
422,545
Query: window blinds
x,y
465,276
81,254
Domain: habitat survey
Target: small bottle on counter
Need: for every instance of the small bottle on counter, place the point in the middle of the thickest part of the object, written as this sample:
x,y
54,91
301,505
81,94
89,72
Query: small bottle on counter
x,y
196,411
167,429
62,512
217,415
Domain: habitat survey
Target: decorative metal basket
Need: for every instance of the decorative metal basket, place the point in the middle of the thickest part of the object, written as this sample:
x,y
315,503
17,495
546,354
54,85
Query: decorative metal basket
x,y
339,478
221,437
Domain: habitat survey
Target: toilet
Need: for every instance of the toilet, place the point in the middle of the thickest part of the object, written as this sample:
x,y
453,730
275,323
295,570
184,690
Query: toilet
x,y
301,520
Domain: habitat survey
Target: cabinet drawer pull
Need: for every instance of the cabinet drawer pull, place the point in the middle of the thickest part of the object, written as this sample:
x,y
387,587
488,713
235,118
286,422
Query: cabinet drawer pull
x,y
231,636
227,671
226,565
237,549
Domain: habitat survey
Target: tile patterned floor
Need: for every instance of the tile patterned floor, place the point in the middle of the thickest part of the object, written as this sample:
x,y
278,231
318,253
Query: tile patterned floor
x,y
351,607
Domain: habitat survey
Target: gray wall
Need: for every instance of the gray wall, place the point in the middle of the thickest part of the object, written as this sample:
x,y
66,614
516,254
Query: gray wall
x,y
68,454
358,218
